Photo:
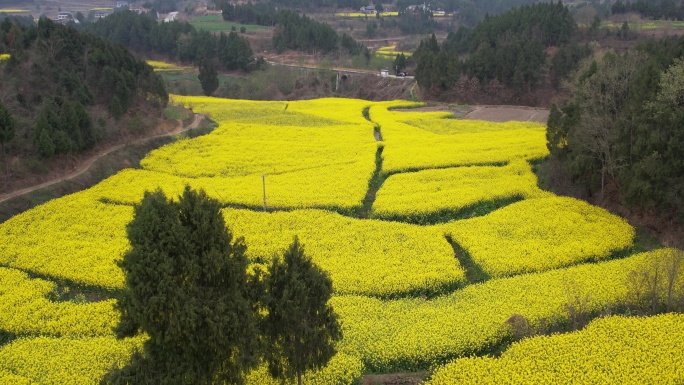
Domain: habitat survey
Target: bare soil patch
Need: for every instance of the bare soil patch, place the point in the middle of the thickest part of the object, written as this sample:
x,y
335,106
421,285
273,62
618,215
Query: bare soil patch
x,y
488,113
508,113
394,379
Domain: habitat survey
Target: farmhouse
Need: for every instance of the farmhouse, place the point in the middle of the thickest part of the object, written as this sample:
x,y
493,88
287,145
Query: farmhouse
x,y
64,17
171,17
368,10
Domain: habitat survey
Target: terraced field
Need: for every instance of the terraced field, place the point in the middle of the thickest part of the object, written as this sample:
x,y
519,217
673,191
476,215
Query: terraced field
x,y
441,247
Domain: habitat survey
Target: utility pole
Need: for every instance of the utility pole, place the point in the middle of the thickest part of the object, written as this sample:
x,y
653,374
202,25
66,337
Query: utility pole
x,y
263,181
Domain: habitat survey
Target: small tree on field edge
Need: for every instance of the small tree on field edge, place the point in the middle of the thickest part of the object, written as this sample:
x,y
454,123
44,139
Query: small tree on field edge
x,y
300,327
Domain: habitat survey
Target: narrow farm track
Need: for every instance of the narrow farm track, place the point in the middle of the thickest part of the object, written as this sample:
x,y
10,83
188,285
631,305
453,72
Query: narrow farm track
x,y
90,161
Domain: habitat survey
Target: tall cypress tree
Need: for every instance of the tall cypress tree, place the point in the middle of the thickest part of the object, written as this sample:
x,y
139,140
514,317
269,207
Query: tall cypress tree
x,y
187,288
300,327
6,132
208,77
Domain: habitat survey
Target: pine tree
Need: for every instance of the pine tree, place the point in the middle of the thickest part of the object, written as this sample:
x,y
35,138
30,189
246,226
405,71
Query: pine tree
x,y
400,63
208,77
46,147
187,289
300,327
6,132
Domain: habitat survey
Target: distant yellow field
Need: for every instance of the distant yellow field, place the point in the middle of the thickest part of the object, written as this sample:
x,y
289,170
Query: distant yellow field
x,y
390,51
4,56
14,11
160,66
361,14
101,9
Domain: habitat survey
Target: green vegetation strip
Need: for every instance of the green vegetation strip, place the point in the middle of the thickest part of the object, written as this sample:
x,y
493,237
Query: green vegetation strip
x,y
215,23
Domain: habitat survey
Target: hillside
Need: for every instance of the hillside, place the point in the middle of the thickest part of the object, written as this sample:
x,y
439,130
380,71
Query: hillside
x,y
68,92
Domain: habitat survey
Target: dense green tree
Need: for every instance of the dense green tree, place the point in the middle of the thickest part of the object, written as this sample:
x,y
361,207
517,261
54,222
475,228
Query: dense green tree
x,y
65,80
300,325
348,43
663,9
187,289
371,29
46,147
416,22
208,77
179,41
299,32
566,60
7,132
400,63
624,126
657,177
508,48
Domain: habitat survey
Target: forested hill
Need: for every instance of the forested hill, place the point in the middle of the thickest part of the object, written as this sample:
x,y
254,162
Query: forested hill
x,y
471,12
177,41
508,50
293,31
66,90
621,134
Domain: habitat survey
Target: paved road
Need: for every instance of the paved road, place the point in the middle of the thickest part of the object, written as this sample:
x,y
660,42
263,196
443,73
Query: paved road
x,y
338,69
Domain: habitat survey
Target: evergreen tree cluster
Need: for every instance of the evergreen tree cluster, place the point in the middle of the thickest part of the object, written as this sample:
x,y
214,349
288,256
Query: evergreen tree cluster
x,y
413,22
209,321
261,13
624,127
61,86
299,32
656,10
508,48
162,6
179,41
293,31
470,12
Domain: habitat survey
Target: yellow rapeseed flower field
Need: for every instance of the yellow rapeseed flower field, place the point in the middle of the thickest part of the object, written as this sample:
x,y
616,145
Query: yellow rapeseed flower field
x,y
415,196
160,66
342,369
403,298
362,15
57,361
372,258
408,147
390,51
613,350
294,144
414,333
443,124
298,189
25,310
557,232
80,240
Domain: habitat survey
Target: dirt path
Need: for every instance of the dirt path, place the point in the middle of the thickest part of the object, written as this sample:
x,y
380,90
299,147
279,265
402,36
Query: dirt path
x,y
89,162
394,378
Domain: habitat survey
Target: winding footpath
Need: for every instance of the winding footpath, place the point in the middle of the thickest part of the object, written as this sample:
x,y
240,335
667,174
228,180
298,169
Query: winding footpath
x,y
89,162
